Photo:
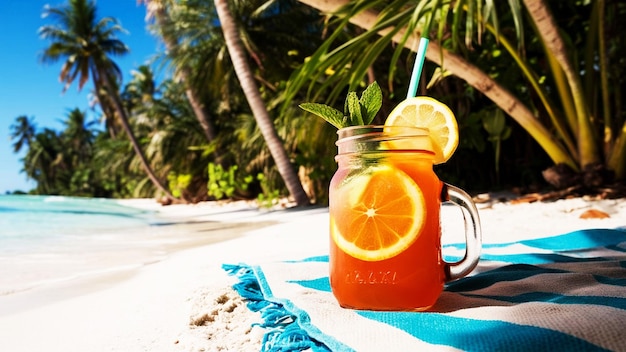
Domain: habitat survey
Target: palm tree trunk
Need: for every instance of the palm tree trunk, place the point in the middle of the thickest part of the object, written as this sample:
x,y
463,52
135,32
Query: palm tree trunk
x,y
471,74
251,91
119,109
105,105
547,28
617,159
157,8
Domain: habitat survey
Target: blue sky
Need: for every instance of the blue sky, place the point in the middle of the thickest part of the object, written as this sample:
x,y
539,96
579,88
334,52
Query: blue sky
x,y
28,87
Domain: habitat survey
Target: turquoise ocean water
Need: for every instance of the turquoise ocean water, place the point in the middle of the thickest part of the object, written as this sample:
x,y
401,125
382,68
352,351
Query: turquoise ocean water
x,y
50,239
28,222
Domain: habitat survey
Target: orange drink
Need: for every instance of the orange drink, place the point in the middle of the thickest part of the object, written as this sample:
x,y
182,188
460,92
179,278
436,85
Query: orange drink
x,y
385,235
384,203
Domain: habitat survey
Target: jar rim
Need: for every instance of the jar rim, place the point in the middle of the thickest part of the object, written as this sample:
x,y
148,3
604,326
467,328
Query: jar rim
x,y
379,138
383,128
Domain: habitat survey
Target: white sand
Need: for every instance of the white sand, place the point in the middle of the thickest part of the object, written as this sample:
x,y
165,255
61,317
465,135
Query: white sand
x,y
185,301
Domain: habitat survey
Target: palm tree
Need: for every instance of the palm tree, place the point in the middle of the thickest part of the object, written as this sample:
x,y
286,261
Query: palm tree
x,y
44,162
78,134
141,89
164,117
251,91
77,147
158,10
86,44
578,140
23,132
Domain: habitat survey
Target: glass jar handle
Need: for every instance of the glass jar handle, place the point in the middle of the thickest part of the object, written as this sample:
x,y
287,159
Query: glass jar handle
x,y
473,233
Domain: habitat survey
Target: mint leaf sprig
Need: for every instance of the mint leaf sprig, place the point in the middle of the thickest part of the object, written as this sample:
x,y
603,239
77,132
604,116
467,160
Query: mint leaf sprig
x,y
357,111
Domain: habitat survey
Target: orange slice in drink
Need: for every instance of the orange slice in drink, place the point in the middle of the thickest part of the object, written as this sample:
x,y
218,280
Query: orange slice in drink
x,y
434,115
380,214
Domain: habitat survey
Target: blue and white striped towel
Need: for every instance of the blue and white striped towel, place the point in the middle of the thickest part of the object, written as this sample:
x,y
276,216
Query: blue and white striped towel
x,y
561,293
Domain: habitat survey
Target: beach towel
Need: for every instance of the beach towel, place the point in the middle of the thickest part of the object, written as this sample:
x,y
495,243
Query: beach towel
x,y
560,293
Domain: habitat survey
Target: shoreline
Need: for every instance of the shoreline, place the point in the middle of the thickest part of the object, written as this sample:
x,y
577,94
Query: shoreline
x,y
73,267
145,307
174,304
107,271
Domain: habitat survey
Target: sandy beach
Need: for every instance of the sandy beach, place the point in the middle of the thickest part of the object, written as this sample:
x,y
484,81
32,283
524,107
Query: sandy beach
x,y
184,301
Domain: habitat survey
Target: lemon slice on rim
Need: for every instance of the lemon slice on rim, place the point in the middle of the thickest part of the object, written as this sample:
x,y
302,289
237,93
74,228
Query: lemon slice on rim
x,y
432,114
381,213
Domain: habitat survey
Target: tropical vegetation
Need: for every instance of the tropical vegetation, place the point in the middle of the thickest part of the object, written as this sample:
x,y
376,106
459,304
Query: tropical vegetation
x,y
535,86
560,78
